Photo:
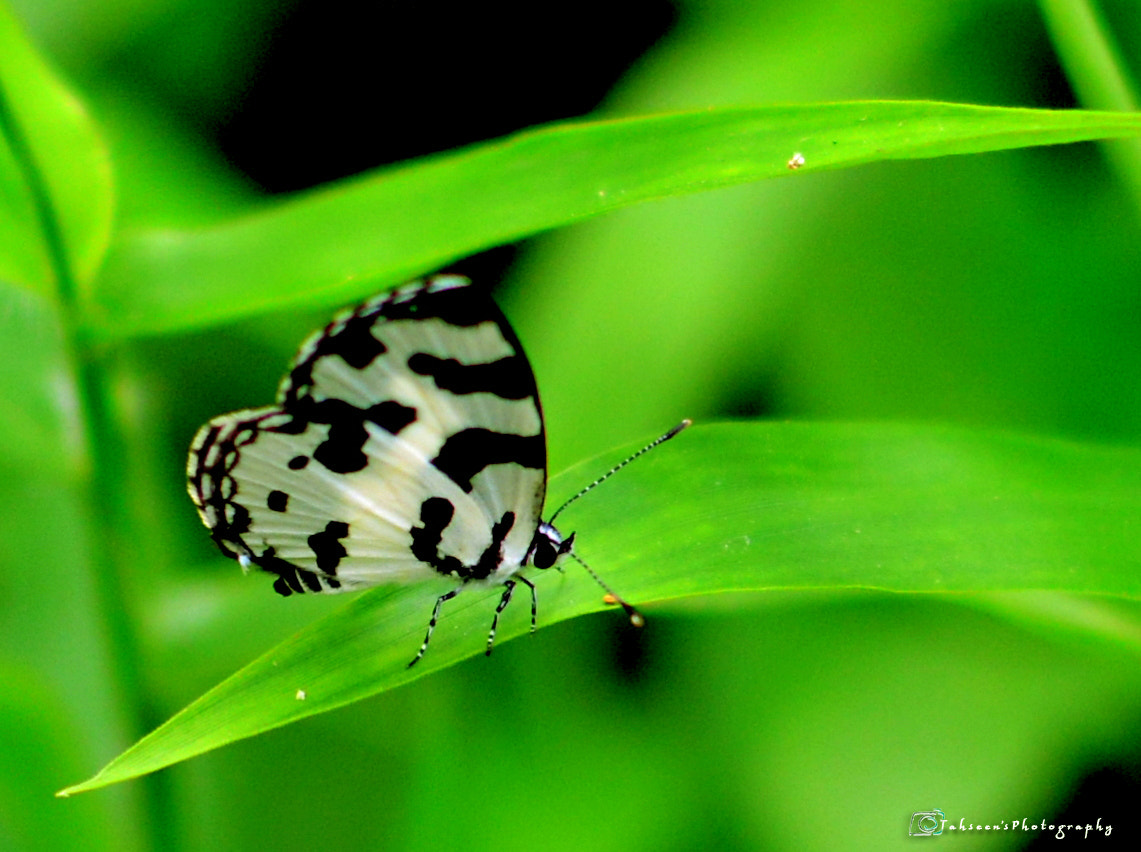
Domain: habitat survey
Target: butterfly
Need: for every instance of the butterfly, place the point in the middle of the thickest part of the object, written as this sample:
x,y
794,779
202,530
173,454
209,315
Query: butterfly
x,y
407,442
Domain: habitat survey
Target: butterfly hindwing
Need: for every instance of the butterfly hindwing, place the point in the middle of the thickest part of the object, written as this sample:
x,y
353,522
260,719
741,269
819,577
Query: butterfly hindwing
x,y
407,441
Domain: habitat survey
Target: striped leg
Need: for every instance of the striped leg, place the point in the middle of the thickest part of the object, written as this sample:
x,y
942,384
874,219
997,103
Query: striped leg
x,y
534,600
432,624
508,591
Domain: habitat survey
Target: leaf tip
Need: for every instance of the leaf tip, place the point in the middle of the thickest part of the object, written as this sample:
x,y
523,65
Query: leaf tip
x,y
81,787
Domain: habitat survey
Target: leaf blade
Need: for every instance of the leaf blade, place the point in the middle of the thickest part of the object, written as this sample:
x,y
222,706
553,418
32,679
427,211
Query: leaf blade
x,y
761,506
50,155
422,215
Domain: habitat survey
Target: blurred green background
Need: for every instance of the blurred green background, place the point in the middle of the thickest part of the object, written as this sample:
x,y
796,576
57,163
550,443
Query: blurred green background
x,y
997,291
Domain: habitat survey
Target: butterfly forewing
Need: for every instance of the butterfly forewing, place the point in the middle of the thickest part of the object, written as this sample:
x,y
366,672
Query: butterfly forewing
x,y
407,441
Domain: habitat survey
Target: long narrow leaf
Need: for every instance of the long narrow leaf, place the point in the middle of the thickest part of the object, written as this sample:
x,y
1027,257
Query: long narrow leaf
x,y
328,247
55,173
729,508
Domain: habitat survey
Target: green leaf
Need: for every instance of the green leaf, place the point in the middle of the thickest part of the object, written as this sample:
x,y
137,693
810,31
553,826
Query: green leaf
x,y
724,508
55,174
335,244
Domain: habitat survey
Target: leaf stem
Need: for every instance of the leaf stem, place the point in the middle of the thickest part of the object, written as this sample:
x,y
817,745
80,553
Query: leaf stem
x,y
104,491
1094,67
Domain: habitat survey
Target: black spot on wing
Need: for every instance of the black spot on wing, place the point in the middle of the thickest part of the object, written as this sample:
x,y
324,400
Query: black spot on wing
x,y
435,514
326,546
342,451
277,501
298,462
235,521
509,378
461,306
391,416
492,555
290,578
353,341
284,587
466,453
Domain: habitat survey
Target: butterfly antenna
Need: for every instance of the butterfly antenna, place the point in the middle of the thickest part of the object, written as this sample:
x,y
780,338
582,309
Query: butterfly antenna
x,y
636,618
661,440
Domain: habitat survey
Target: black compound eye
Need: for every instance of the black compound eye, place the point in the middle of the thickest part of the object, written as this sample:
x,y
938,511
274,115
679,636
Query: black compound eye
x,y
545,553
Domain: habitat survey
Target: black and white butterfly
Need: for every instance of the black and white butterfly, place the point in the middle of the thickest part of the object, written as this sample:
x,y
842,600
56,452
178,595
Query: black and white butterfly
x,y
407,442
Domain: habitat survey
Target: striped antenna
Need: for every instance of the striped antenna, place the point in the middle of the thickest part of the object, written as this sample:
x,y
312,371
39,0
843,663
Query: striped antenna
x,y
661,440
636,618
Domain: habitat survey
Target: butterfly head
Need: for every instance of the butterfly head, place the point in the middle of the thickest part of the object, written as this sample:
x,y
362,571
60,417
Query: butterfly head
x,y
549,548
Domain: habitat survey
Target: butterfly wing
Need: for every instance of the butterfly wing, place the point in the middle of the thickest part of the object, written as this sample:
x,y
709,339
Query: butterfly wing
x,y
407,441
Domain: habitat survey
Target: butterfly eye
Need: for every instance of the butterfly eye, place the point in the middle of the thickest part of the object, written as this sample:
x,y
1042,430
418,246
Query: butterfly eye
x,y
545,553
548,548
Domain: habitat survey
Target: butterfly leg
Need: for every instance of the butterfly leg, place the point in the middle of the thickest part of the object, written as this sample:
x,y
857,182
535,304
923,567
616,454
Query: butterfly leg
x,y
432,623
534,601
508,590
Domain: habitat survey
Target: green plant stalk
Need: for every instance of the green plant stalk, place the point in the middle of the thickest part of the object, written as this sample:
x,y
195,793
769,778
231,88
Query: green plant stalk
x,y
103,493
110,519
1094,67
